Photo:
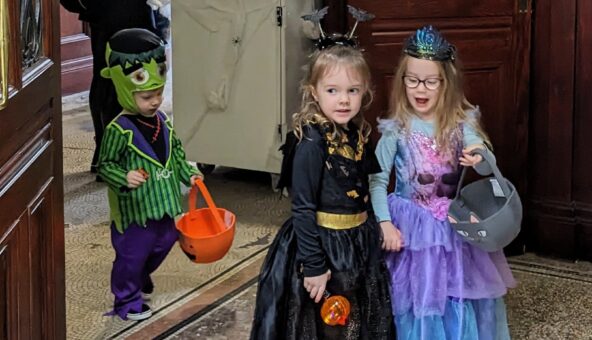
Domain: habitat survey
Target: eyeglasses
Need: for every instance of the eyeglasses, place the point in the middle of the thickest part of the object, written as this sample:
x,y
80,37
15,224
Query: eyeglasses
x,y
429,83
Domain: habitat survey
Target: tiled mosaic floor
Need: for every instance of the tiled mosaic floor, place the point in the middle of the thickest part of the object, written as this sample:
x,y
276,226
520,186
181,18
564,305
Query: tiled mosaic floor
x,y
553,299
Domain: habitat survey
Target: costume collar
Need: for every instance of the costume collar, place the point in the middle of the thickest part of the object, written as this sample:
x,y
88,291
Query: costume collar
x,y
344,148
138,142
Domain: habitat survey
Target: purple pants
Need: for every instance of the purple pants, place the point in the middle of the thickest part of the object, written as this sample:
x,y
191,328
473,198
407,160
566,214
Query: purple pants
x,y
138,252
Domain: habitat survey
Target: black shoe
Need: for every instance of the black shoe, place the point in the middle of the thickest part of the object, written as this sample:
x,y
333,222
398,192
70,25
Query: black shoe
x,y
93,169
144,314
99,179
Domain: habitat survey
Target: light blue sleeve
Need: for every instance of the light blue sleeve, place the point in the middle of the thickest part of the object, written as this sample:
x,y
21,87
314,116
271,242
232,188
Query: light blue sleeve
x,y
472,137
385,152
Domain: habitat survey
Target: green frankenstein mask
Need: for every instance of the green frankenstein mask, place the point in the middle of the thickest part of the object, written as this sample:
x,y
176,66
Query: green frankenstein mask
x,y
136,61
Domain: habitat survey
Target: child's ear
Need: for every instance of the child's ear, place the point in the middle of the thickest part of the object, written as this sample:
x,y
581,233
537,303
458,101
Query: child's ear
x,y
105,73
314,94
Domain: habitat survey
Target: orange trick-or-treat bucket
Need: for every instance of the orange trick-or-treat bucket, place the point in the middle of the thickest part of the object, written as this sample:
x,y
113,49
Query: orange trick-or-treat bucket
x,y
206,234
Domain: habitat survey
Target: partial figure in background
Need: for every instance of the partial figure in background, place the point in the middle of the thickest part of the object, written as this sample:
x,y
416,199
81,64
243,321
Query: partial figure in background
x,y
443,288
162,17
105,18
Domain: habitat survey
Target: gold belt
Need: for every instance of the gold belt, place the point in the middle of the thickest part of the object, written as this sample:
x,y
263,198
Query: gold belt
x,y
340,221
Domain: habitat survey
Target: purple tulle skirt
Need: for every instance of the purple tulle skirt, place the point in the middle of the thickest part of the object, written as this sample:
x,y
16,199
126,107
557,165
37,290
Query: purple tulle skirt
x,y
437,269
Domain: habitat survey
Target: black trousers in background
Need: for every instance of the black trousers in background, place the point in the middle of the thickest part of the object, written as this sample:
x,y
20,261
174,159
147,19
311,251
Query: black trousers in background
x,y
102,97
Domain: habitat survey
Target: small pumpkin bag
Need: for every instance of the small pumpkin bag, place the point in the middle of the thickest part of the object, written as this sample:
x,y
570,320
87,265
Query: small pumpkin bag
x,y
486,213
205,234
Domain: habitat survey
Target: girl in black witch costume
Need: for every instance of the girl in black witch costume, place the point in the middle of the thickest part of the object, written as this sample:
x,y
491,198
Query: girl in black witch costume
x,y
332,242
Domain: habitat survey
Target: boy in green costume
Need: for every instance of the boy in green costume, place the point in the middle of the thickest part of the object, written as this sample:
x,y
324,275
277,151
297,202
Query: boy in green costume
x,y
143,162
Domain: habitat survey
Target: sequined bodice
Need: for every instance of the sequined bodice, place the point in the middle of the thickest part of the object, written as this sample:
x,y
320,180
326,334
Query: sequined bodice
x,y
425,173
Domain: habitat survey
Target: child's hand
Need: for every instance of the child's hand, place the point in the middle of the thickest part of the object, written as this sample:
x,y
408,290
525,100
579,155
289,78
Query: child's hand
x,y
467,159
195,178
315,285
392,238
134,179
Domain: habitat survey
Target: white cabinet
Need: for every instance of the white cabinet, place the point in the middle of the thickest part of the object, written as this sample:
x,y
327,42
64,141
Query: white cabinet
x,y
237,66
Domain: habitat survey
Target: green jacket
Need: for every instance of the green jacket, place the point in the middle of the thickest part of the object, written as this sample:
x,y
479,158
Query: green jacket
x,y
123,149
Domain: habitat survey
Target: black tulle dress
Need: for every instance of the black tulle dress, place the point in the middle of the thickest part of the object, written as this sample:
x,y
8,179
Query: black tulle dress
x,y
331,228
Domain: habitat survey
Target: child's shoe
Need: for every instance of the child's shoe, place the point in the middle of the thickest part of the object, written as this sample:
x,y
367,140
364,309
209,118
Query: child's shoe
x,y
143,314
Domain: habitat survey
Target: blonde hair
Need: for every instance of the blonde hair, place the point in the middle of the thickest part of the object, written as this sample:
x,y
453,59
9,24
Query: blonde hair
x,y
451,105
320,65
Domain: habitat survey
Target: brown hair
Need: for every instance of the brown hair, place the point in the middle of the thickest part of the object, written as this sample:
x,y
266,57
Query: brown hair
x,y
322,63
451,105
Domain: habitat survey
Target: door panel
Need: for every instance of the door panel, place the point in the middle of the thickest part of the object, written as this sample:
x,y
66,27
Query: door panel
x,y
39,211
76,53
493,40
31,193
8,292
582,181
560,199
34,117
430,9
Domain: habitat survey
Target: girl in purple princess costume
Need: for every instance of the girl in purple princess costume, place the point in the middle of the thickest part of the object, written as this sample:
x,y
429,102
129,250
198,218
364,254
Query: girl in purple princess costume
x,y
442,287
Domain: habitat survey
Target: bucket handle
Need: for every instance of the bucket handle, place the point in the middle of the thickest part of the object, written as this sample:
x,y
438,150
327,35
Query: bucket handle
x,y
496,173
200,186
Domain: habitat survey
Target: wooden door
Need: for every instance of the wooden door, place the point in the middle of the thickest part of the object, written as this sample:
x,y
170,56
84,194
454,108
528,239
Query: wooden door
x,y
76,53
560,194
493,40
582,163
32,301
